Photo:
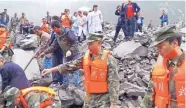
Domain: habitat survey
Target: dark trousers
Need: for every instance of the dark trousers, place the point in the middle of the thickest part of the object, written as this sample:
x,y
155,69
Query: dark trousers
x,y
139,27
118,28
84,37
25,30
21,28
130,27
57,59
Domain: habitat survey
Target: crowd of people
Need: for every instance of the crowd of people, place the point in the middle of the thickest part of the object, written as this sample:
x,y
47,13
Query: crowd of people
x,y
59,54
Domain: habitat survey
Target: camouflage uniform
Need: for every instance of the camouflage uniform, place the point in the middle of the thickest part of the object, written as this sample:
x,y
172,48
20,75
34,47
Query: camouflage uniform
x,y
13,24
98,100
161,36
33,99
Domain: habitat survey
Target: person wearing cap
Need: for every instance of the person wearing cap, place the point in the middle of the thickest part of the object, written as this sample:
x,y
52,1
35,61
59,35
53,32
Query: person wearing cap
x,y
95,20
44,26
101,75
43,39
32,97
68,43
5,43
12,75
167,88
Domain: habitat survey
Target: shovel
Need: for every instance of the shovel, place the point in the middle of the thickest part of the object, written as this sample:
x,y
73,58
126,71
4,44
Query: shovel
x,y
28,63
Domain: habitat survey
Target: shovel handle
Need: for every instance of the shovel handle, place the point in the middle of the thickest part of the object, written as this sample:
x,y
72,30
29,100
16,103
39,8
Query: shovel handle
x,y
28,63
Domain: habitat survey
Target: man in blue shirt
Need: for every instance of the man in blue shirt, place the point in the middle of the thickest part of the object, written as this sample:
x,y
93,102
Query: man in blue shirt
x,y
164,18
12,75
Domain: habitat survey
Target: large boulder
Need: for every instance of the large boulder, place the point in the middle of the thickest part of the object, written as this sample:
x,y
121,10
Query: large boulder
x,y
29,42
26,42
125,48
22,58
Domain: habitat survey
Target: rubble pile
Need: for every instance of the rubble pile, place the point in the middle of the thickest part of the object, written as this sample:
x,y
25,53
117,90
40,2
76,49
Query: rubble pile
x,y
135,61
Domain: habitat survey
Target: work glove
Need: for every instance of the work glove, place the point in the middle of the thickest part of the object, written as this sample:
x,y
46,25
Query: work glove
x,y
68,53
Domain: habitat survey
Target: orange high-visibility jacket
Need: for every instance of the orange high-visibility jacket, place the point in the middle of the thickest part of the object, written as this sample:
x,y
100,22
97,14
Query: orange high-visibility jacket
x,y
3,39
45,28
65,21
160,77
36,89
95,73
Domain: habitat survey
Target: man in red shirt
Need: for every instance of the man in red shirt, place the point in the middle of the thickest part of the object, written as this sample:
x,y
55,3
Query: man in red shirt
x,y
130,11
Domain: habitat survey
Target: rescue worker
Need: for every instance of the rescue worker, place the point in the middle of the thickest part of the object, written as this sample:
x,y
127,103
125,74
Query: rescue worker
x,y
43,38
68,43
33,97
5,43
12,75
66,19
45,27
101,80
167,86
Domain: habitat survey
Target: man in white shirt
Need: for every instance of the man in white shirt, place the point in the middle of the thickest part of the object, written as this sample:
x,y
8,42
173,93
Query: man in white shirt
x,y
82,25
95,20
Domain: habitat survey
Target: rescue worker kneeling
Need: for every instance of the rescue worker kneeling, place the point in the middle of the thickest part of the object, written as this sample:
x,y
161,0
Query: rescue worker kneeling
x,y
33,97
5,43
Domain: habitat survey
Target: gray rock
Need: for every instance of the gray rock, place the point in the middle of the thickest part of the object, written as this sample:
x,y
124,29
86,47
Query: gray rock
x,y
32,72
130,104
140,51
29,42
140,82
66,99
131,77
135,92
146,78
122,50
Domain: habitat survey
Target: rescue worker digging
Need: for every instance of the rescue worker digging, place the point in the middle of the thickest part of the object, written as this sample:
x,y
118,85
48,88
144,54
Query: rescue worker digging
x,y
101,80
5,43
167,86
33,97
